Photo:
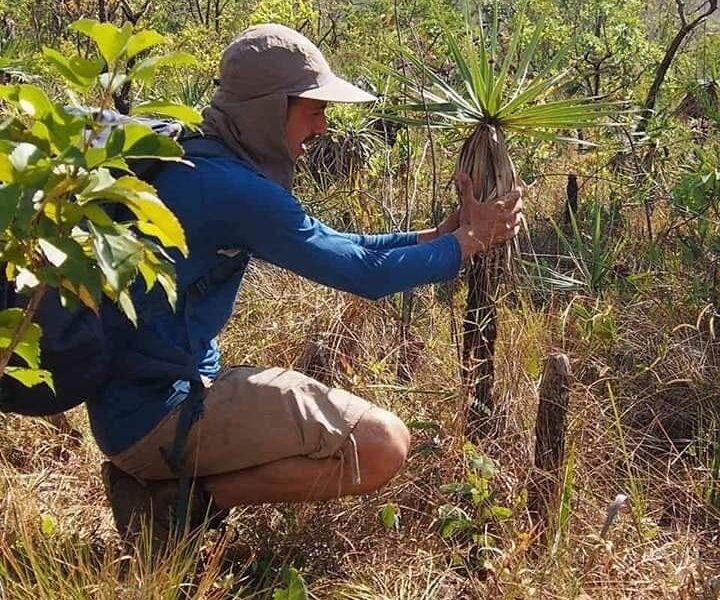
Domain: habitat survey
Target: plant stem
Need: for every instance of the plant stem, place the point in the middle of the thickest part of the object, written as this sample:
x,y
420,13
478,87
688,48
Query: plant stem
x,y
29,313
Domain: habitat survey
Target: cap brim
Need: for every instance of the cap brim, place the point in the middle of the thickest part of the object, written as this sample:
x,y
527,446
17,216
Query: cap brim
x,y
338,90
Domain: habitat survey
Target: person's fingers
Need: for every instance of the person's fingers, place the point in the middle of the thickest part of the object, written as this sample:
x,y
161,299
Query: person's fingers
x,y
465,186
511,200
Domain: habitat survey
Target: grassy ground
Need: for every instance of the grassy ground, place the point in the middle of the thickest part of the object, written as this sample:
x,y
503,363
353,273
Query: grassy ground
x,y
644,421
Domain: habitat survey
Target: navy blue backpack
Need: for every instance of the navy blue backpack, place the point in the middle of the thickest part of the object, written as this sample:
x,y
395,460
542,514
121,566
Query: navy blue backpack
x,y
73,344
72,348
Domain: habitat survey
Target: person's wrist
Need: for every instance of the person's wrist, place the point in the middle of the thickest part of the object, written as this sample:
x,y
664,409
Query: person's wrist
x,y
427,235
469,244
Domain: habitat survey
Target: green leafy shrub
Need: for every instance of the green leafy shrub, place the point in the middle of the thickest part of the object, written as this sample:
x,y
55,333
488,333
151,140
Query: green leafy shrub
x,y
63,173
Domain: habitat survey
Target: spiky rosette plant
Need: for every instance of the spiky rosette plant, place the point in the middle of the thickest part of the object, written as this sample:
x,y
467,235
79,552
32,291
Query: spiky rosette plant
x,y
488,103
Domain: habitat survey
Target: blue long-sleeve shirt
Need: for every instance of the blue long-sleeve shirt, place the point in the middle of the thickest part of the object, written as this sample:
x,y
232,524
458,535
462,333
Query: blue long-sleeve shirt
x,y
226,207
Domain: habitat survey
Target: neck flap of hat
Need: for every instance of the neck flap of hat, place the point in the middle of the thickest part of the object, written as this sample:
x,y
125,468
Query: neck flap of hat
x,y
255,131
262,67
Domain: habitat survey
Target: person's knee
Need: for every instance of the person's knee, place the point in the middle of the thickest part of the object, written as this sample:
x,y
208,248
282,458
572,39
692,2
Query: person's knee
x,y
383,443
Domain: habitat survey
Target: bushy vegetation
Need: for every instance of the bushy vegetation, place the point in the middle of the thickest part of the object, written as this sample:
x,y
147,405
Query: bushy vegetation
x,y
618,267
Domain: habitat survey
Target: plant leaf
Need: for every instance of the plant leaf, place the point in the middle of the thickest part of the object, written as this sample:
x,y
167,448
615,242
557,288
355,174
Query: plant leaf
x,y
295,590
111,41
28,347
143,40
144,71
390,517
79,71
10,195
31,377
180,112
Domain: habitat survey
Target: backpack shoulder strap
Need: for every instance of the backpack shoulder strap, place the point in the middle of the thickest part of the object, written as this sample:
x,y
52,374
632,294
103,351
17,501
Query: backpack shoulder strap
x,y
194,144
219,273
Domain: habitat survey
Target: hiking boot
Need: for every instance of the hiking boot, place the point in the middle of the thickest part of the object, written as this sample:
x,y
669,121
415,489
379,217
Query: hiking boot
x,y
135,501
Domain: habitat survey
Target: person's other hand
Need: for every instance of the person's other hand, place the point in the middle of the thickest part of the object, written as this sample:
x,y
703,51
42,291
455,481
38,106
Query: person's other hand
x,y
485,225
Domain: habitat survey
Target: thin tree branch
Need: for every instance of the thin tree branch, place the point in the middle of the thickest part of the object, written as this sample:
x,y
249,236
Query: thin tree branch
x,y
29,312
664,66
681,12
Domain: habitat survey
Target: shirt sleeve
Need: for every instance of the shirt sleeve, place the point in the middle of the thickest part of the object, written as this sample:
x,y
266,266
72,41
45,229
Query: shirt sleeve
x,y
270,223
382,241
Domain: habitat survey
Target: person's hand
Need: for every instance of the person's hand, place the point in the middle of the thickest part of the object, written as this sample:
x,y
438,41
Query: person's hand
x,y
485,225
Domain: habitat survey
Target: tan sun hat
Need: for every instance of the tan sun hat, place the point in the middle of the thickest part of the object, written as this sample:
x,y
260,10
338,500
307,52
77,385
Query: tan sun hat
x,y
274,59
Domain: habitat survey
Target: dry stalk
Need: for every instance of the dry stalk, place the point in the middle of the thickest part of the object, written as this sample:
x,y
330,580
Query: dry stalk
x,y
485,158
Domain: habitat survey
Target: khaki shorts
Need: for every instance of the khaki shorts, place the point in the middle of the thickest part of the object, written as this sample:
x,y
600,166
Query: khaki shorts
x,y
252,417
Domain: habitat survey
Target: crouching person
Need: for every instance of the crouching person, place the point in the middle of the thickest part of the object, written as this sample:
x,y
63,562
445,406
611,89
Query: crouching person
x,y
249,435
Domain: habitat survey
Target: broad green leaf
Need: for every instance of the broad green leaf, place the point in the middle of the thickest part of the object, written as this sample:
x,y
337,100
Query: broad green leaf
x,y
34,101
141,198
180,112
96,156
390,517
115,142
31,377
149,274
118,163
144,71
143,201
110,40
28,98
14,130
9,198
127,306
63,130
158,232
79,71
55,255
10,320
97,215
74,156
98,181
166,277
295,590
79,269
24,155
144,40
84,26
7,172
118,254
28,347
142,142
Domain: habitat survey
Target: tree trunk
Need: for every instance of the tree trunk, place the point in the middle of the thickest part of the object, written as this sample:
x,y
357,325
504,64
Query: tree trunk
x,y
485,158
479,336
662,70
550,429
571,201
